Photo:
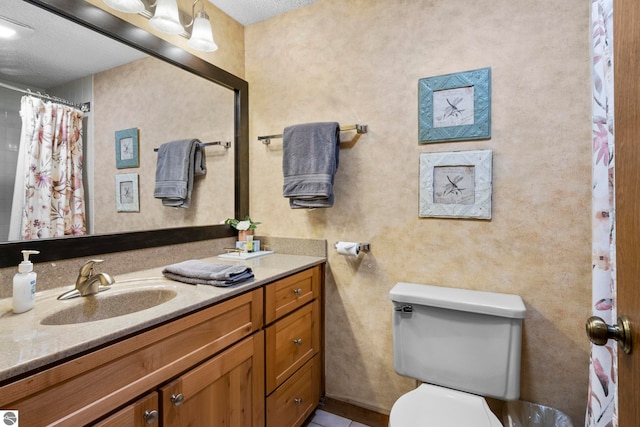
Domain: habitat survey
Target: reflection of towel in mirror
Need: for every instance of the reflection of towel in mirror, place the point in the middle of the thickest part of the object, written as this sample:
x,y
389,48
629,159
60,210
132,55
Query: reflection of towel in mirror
x,y
198,272
177,163
309,161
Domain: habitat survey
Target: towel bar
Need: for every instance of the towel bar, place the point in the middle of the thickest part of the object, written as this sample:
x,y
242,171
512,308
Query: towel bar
x,y
358,128
225,144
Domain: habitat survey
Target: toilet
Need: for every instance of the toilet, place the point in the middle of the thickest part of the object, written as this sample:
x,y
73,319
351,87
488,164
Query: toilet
x,y
462,345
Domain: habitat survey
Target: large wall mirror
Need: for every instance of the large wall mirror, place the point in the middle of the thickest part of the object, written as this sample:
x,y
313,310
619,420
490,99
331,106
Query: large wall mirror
x,y
146,84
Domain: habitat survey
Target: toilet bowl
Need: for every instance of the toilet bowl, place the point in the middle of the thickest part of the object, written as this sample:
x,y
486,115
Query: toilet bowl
x,y
462,345
433,406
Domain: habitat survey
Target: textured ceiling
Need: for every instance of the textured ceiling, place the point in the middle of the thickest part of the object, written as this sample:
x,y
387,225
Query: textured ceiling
x,y
248,12
58,51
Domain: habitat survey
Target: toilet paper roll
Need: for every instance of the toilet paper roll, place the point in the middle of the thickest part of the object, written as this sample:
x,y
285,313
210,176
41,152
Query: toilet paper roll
x,y
348,248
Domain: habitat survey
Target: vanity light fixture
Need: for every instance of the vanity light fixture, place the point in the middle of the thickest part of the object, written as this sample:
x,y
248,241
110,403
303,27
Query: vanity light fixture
x,y
12,30
166,19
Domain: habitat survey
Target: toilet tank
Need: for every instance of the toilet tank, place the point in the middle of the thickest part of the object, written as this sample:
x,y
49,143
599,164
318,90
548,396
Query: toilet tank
x,y
457,338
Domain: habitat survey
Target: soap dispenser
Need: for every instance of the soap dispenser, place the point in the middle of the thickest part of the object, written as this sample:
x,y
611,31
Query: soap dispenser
x,y
24,284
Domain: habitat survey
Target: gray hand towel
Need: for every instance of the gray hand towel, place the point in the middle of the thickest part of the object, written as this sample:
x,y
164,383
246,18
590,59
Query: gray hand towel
x,y
309,161
177,163
198,272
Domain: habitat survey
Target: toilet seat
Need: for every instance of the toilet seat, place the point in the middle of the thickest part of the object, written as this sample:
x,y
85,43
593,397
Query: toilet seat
x,y
430,405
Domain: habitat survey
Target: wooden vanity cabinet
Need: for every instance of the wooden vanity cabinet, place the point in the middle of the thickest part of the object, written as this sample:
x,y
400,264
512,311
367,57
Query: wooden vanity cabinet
x,y
88,388
255,359
293,347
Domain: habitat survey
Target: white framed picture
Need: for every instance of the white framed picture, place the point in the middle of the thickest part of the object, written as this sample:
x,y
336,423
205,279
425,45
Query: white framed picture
x,y
456,184
127,197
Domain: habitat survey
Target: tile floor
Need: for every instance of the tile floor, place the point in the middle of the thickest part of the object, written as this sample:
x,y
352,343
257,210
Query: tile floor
x,y
325,419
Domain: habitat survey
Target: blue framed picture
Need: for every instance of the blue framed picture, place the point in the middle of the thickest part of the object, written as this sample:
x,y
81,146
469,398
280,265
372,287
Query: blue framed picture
x,y
455,107
127,149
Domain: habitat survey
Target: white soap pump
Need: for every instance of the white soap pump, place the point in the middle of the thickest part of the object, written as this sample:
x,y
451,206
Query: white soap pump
x,y
24,284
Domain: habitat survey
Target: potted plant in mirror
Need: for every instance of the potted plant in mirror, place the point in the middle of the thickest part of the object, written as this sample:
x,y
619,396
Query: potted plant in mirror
x,y
244,226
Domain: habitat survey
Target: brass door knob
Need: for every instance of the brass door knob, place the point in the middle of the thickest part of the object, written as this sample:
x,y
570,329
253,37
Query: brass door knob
x,y
599,332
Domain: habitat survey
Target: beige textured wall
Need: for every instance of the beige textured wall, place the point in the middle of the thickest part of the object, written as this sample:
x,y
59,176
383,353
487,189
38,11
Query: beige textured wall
x,y
227,33
359,62
165,103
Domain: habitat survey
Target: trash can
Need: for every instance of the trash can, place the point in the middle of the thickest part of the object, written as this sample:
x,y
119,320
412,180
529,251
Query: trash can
x,y
518,413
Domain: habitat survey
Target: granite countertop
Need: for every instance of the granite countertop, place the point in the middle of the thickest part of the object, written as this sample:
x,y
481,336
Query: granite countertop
x,y
28,345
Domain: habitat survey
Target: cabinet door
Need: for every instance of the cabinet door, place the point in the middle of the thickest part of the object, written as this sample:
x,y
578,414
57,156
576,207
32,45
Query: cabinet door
x,y
142,413
227,390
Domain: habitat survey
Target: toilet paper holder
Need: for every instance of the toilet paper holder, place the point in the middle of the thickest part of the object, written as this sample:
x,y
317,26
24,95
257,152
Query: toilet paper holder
x,y
364,247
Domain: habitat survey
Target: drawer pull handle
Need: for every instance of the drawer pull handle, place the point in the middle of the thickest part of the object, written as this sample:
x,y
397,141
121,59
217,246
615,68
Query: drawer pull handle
x,y
298,341
298,291
150,417
297,401
177,399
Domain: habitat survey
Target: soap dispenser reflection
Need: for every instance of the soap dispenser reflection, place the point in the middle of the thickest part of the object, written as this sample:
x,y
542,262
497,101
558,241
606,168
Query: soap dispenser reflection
x,y
24,284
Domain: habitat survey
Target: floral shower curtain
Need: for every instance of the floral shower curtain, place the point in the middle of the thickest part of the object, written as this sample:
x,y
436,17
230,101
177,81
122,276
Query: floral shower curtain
x,y
48,194
602,408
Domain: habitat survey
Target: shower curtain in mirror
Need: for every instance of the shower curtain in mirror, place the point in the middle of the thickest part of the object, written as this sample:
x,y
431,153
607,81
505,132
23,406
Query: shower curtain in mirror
x,y
48,197
602,408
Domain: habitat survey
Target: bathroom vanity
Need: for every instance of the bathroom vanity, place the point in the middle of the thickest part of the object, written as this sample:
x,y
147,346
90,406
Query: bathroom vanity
x,y
249,355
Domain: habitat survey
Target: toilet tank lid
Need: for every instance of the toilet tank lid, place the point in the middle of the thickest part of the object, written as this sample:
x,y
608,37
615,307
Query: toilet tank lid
x,y
491,303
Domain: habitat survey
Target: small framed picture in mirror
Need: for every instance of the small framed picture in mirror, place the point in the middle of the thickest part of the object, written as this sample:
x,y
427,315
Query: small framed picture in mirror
x,y
127,197
127,149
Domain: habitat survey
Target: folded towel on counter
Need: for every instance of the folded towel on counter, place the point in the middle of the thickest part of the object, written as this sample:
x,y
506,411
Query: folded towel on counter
x,y
310,154
198,272
177,163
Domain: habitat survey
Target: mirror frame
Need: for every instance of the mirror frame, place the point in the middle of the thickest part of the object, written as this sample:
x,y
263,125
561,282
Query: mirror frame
x,y
111,26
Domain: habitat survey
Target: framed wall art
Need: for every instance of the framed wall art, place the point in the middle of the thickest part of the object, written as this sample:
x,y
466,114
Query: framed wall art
x,y
127,197
456,184
455,107
127,148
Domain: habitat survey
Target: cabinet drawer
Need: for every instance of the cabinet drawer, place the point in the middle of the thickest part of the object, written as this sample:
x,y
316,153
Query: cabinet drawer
x,y
286,295
294,400
290,343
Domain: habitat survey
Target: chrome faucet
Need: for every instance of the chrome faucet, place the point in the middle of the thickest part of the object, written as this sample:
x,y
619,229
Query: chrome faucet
x,y
89,282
